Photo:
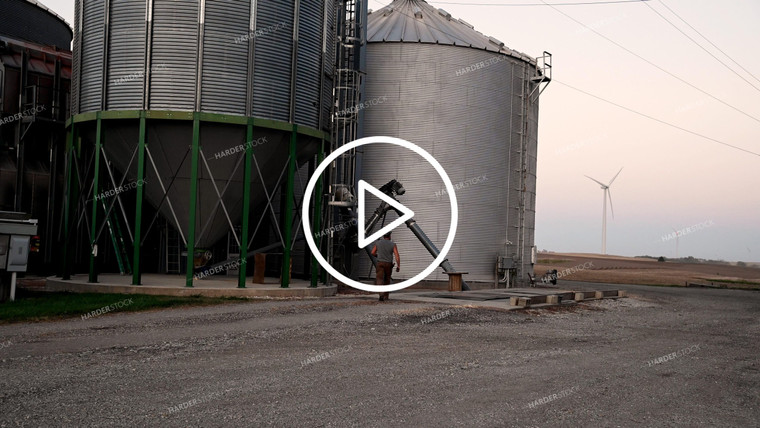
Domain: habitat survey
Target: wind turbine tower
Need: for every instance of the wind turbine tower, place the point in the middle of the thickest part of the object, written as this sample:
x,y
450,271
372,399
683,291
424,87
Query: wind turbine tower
x,y
606,189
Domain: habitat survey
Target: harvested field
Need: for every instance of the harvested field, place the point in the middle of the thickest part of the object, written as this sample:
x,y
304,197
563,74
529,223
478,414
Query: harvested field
x,y
631,270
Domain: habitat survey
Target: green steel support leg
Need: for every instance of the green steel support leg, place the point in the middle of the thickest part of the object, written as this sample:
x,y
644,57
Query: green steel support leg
x,y
95,191
289,209
246,203
66,271
136,265
193,200
317,222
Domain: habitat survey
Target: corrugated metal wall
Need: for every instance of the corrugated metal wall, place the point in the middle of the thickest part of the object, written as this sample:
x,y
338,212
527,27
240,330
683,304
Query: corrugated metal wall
x,y
175,51
91,83
309,66
327,70
25,20
272,64
471,124
126,55
174,57
76,57
225,63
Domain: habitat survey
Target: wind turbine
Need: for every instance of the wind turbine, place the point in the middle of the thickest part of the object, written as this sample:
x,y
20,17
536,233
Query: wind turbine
x,y
606,189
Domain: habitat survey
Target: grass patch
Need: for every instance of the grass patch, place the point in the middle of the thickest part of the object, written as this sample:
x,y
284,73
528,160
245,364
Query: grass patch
x,y
732,281
40,306
551,261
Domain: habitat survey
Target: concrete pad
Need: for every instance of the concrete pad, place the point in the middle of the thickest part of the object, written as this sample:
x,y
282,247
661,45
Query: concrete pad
x,y
174,285
508,299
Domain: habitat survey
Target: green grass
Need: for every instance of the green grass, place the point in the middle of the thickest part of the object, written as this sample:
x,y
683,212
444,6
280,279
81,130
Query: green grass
x,y
39,306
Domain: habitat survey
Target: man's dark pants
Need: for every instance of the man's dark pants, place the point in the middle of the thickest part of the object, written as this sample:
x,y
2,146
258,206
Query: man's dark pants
x,y
383,276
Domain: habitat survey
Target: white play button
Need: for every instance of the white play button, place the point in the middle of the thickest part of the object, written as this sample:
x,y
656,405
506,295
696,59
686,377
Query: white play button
x,y
406,214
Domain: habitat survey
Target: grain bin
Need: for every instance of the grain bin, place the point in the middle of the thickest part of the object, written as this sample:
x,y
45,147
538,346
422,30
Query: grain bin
x,y
173,93
473,104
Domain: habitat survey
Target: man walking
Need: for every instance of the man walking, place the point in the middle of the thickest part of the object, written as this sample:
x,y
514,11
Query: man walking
x,y
385,250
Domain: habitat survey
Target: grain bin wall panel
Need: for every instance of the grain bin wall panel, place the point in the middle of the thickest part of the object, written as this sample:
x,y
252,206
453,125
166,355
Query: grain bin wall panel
x,y
464,121
75,58
91,84
126,55
273,51
327,68
175,52
225,60
309,63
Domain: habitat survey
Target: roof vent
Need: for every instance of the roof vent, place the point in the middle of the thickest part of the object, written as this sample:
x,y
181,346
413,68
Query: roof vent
x,y
465,23
417,12
497,42
444,14
369,12
387,11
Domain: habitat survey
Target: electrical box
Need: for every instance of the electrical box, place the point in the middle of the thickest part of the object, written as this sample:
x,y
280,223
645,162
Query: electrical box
x,y
16,231
18,253
4,250
505,263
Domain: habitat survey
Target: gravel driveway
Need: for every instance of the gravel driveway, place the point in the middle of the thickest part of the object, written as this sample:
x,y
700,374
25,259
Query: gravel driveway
x,y
662,357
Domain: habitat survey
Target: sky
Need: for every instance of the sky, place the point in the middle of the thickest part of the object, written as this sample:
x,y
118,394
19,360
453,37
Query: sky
x,y
671,179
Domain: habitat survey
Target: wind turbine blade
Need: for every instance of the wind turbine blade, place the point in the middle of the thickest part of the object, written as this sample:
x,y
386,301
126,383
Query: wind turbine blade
x,y
600,183
613,178
610,196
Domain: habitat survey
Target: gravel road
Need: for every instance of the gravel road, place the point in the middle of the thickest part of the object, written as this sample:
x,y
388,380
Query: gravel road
x,y
663,357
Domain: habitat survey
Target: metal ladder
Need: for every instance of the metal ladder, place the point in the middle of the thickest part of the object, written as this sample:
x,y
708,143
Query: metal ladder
x,y
345,114
173,253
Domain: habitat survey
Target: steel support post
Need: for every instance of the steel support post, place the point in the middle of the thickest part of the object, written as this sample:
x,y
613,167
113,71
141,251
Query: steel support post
x,y
95,190
244,238
193,200
68,197
317,219
136,265
288,226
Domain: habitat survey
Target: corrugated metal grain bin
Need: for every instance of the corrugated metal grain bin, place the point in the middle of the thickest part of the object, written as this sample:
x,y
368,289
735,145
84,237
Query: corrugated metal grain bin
x,y
223,65
464,98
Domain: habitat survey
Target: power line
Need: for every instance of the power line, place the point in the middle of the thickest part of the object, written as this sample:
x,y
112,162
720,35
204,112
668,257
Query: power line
x,y
629,109
708,41
654,118
701,47
653,64
542,4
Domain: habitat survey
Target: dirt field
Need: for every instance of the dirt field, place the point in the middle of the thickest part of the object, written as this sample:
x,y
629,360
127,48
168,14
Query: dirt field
x,y
630,270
